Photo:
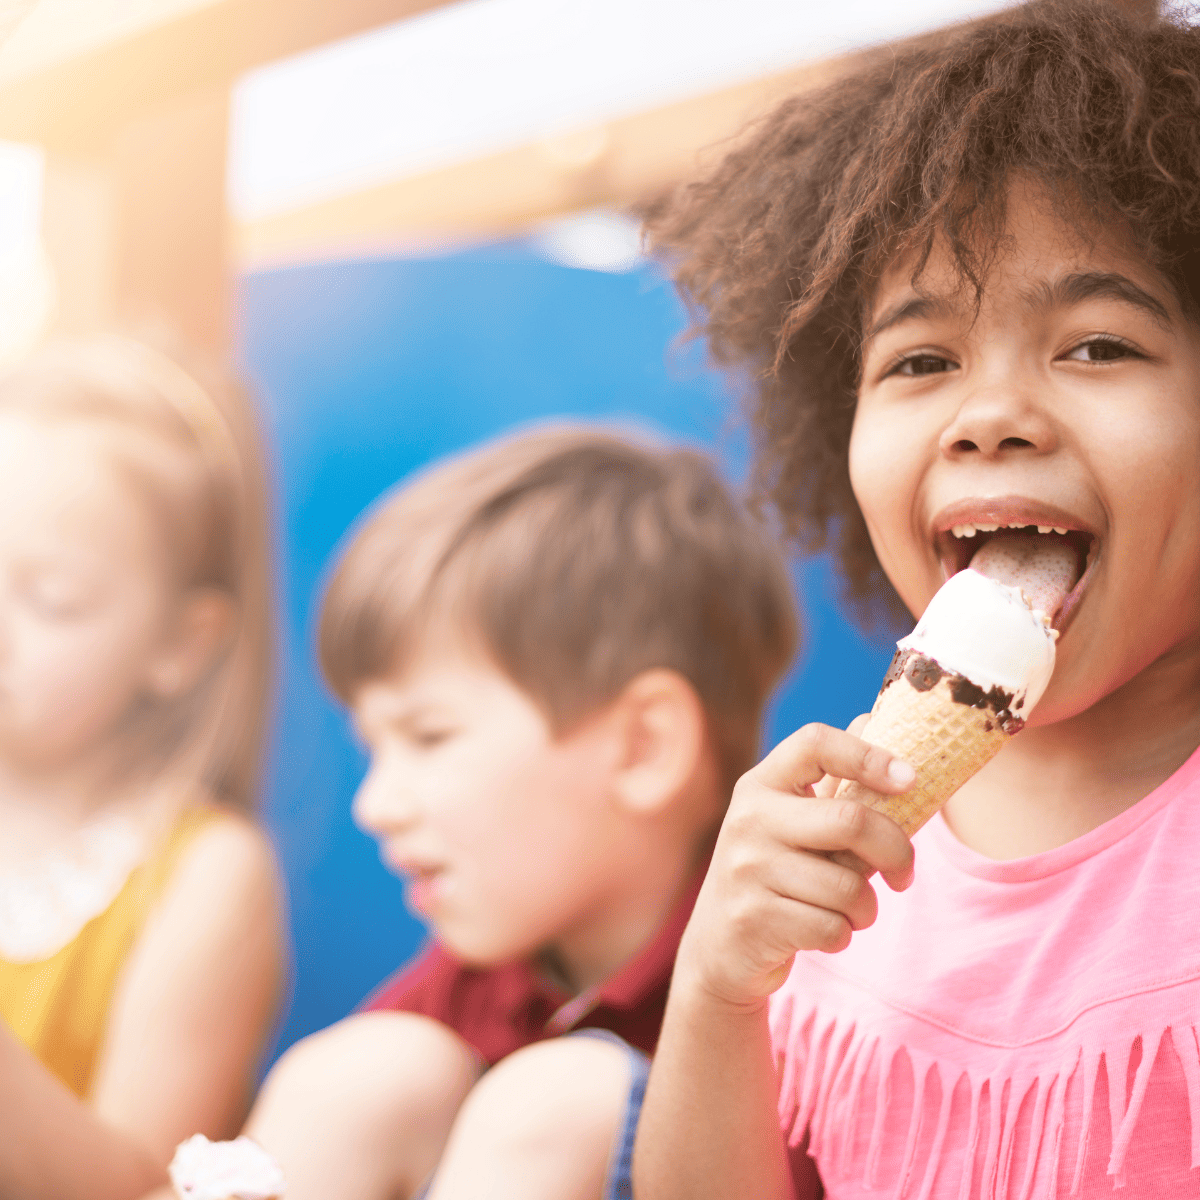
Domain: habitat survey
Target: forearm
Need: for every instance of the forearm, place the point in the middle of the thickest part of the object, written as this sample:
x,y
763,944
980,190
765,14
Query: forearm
x,y
709,1126
53,1147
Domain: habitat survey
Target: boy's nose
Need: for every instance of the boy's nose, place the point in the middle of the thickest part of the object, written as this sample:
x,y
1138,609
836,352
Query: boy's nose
x,y
998,419
382,804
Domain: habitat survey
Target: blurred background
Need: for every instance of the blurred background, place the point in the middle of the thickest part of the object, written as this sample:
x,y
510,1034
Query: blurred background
x,y
404,222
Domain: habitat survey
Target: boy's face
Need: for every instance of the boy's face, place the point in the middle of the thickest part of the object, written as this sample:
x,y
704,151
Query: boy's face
x,y
1071,401
502,830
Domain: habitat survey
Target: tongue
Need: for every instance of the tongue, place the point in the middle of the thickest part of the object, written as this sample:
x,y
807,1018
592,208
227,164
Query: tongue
x,y
1043,566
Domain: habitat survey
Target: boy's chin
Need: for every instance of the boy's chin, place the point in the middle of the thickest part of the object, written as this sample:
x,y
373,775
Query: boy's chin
x,y
473,950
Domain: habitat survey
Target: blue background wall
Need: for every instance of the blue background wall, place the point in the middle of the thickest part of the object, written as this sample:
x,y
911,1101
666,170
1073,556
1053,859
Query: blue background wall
x,y
365,371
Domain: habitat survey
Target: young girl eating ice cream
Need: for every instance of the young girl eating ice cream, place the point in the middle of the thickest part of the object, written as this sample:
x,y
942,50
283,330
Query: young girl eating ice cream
x,y
966,286
140,943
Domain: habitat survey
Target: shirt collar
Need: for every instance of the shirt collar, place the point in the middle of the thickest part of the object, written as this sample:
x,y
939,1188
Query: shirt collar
x,y
632,982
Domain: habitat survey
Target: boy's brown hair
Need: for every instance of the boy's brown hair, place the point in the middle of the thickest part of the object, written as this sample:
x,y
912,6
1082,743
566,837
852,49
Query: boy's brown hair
x,y
777,249
577,559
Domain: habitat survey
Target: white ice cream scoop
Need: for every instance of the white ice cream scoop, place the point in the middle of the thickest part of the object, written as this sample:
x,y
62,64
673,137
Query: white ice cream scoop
x,y
237,1170
987,632
992,622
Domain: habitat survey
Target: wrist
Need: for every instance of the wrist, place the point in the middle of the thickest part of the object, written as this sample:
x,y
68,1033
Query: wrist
x,y
699,992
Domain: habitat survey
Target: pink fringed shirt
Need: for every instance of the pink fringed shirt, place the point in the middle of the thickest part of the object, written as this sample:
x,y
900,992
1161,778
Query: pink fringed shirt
x,y
1011,1029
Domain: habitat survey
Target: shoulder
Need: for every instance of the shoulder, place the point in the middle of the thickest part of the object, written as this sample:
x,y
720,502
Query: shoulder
x,y
228,855
227,843
224,882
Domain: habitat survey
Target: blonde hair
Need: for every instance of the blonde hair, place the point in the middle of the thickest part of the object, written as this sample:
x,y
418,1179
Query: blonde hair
x,y
192,453
580,559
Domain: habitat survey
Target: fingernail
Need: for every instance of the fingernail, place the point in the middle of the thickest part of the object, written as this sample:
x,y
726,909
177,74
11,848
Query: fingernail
x,y
900,772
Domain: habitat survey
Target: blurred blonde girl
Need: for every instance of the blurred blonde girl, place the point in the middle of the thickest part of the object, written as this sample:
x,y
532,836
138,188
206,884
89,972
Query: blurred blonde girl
x,y
140,931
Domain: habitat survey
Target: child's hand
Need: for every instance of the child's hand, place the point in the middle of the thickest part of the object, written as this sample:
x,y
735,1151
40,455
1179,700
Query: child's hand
x,y
771,889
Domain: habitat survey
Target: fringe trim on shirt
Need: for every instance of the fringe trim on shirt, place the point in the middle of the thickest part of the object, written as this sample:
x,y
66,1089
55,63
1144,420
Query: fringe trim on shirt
x,y
824,1073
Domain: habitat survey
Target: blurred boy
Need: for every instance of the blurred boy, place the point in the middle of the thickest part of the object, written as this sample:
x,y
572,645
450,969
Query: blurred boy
x,y
557,649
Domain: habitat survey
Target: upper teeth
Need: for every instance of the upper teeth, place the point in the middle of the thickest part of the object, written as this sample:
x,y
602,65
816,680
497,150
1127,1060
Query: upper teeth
x,y
961,531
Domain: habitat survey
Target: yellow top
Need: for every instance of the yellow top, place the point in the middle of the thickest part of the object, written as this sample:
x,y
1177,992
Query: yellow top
x,y
59,1007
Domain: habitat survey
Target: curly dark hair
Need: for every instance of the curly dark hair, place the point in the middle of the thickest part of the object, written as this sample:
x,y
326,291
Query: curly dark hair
x,y
776,249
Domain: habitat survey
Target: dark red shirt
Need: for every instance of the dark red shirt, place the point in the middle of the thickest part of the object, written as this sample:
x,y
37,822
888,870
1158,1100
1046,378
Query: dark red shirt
x,y
500,1009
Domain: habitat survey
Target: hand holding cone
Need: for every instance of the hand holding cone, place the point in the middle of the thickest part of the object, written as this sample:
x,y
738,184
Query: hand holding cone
x,y
962,684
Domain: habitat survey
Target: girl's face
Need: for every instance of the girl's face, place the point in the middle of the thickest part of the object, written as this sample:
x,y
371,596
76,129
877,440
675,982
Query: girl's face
x,y
85,604
1072,401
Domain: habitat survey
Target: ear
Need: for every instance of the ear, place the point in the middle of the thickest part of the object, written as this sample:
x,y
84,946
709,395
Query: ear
x,y
203,627
663,733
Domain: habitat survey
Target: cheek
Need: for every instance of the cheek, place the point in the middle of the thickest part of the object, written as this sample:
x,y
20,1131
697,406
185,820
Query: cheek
x,y
1143,454
533,820
505,799
81,672
1154,493
480,799
879,472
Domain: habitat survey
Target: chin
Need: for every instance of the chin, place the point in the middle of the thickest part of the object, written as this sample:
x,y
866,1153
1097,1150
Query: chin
x,y
473,950
1073,692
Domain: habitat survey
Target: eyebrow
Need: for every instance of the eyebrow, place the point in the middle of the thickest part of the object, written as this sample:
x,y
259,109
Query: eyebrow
x,y
408,710
1089,285
1062,293
915,308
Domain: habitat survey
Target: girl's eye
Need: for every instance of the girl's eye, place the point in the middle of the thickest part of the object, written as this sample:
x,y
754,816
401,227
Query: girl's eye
x,y
1102,349
56,603
923,364
428,739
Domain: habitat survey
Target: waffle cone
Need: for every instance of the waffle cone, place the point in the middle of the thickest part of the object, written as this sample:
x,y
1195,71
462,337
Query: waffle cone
x,y
946,742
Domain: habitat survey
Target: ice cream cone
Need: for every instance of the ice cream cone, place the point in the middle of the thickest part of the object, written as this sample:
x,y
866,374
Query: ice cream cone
x,y
966,678
945,728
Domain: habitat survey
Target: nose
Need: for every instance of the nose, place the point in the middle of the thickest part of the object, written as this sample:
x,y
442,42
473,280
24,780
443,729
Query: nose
x,y
383,805
999,417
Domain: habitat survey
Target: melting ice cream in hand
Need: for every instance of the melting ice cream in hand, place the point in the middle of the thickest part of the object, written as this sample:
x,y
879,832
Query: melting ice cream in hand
x,y
965,680
237,1170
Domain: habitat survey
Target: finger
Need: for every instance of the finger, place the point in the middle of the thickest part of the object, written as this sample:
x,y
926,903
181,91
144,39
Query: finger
x,y
767,930
823,883
858,724
898,881
828,785
827,825
809,927
801,760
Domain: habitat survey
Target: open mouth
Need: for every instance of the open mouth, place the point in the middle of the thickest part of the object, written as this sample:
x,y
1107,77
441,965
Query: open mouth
x,y
416,872
958,544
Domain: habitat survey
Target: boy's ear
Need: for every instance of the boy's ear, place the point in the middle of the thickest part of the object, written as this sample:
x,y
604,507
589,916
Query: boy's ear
x,y
663,730
204,626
